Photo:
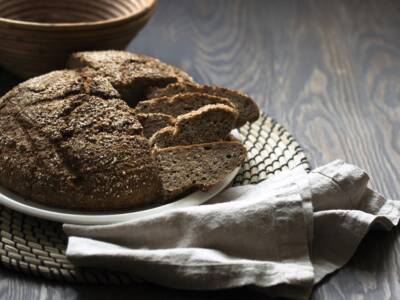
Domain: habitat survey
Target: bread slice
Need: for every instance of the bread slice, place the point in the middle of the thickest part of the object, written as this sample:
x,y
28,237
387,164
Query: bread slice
x,y
131,74
179,104
202,166
153,122
248,110
209,123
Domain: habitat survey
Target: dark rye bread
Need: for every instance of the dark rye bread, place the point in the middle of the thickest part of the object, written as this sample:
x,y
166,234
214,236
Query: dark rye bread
x,y
248,110
153,122
131,74
197,166
79,152
67,138
207,124
179,104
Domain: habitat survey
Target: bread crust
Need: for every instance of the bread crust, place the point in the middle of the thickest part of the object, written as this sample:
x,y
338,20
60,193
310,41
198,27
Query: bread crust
x,y
180,104
247,108
154,122
206,124
129,73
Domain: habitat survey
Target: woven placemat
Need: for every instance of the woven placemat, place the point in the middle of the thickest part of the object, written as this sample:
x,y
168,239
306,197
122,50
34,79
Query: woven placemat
x,y
37,247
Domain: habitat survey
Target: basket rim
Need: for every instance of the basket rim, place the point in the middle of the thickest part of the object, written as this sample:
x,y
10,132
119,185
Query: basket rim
x,y
146,11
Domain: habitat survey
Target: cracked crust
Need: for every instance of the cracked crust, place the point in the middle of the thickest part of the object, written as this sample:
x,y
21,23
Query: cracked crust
x,y
131,74
80,152
58,85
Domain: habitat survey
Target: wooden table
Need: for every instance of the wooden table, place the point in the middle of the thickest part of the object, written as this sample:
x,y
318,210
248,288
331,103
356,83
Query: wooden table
x,y
328,70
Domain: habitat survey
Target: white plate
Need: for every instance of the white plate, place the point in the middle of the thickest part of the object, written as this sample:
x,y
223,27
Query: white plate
x,y
28,207
32,208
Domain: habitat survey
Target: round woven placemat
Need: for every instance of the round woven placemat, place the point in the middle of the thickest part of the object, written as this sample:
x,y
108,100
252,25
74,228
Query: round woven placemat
x,y
37,247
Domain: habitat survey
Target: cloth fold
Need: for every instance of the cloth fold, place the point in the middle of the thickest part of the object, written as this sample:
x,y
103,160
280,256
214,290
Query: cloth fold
x,y
280,236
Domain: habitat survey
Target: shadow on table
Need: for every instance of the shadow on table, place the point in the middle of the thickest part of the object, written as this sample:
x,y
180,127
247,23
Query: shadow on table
x,y
7,81
149,291
15,283
370,265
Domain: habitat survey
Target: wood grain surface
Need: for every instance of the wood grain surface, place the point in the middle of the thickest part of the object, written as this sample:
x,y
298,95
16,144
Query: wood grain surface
x,y
329,71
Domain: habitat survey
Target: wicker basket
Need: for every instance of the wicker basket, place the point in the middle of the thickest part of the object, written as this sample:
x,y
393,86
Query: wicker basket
x,y
31,46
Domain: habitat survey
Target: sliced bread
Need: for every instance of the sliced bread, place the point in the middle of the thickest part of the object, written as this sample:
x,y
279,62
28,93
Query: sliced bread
x,y
153,122
179,104
209,123
183,168
248,110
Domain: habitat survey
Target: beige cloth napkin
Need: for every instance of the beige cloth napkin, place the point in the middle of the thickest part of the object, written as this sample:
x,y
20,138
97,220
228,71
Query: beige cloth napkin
x,y
280,236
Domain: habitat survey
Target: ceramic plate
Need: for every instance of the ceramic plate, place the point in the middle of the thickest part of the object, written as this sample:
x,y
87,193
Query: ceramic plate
x,y
28,207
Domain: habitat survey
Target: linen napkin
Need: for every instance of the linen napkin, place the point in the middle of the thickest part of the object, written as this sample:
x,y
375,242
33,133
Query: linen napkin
x,y
280,236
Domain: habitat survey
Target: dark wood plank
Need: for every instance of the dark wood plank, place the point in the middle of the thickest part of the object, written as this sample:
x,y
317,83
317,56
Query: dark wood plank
x,y
328,70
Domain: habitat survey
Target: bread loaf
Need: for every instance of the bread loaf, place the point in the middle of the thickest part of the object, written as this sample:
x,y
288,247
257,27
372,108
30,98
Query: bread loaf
x,y
77,152
69,138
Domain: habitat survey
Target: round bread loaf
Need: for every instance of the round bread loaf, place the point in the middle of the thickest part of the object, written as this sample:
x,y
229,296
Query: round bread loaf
x,y
69,138
77,152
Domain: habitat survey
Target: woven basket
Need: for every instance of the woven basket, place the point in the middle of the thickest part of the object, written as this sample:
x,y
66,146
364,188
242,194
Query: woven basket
x,y
38,36
37,247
